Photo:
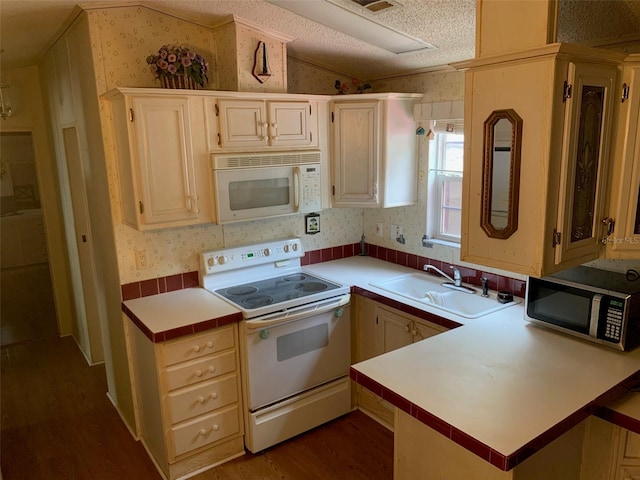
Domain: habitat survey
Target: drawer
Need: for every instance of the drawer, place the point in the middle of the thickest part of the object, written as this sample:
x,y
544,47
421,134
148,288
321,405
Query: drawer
x,y
188,373
205,430
202,398
196,346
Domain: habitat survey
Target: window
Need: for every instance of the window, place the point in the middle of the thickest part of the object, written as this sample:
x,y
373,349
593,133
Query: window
x,y
444,200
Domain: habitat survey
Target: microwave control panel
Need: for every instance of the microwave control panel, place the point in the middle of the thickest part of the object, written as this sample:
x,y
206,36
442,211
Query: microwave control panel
x,y
611,311
311,188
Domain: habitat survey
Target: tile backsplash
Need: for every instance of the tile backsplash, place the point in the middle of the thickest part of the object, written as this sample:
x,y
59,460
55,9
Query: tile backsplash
x,y
472,276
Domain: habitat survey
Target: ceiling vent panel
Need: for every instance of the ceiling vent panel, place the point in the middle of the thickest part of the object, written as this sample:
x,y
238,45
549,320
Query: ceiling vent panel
x,y
377,6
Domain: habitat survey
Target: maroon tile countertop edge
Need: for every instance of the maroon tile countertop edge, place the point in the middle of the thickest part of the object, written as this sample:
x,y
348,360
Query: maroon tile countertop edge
x,y
185,330
499,460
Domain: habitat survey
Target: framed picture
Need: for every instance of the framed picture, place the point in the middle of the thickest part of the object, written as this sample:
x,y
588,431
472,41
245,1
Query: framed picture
x,y
312,223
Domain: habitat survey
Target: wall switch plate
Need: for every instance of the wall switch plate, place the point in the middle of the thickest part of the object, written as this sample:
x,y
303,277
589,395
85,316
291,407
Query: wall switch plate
x,y
141,259
379,228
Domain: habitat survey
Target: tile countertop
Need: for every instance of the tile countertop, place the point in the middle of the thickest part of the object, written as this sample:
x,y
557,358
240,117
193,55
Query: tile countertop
x,y
182,312
499,386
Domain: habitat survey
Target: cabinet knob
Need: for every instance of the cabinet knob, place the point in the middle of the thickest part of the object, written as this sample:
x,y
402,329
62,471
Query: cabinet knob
x,y
198,373
203,431
196,348
265,125
212,369
406,328
215,427
209,344
414,332
201,399
214,395
274,124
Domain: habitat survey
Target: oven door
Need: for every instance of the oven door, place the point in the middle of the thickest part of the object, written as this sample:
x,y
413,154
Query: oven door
x,y
253,193
284,359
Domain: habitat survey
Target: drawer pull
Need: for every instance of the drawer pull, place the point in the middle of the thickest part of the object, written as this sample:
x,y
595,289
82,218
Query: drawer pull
x,y
215,427
212,369
203,432
201,399
214,395
196,348
209,344
198,373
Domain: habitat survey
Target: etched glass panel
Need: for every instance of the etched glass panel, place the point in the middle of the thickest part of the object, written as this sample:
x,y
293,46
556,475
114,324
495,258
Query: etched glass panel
x,y
586,172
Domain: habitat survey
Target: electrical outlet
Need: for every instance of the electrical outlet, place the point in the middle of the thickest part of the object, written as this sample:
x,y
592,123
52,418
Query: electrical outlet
x,y
141,259
379,229
396,231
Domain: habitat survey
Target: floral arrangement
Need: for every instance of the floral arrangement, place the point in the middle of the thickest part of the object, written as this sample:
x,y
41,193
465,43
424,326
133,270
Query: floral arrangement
x,y
177,66
343,87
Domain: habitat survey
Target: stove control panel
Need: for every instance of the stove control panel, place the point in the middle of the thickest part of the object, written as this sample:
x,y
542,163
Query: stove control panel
x,y
251,255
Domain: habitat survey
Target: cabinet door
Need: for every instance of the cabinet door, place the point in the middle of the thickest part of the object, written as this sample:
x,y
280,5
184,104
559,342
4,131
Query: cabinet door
x,y
289,124
166,172
423,329
243,123
586,158
369,334
398,330
356,153
625,182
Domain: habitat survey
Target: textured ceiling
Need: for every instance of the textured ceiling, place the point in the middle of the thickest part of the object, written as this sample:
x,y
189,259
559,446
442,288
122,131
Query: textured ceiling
x,y
27,27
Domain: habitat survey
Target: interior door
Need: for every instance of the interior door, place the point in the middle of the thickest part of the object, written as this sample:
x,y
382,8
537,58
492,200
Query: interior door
x,y
87,330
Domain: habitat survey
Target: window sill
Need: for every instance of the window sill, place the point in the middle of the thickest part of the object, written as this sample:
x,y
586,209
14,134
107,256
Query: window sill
x,y
436,241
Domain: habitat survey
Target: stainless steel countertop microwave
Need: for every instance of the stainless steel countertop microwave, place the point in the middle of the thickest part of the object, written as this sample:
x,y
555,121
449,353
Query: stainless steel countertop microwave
x,y
594,304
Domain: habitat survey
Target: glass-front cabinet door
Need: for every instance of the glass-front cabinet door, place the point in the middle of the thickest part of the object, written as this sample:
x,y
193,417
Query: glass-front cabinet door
x,y
582,220
625,179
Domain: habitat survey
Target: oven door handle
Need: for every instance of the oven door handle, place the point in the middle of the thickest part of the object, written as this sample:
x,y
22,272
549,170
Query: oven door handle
x,y
298,313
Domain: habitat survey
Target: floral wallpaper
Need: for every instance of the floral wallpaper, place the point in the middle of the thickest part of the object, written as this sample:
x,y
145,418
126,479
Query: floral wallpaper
x,y
306,78
177,250
121,40
247,42
127,35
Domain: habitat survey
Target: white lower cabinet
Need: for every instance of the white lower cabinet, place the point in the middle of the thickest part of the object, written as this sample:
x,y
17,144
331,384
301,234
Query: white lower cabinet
x,y
381,329
628,459
188,401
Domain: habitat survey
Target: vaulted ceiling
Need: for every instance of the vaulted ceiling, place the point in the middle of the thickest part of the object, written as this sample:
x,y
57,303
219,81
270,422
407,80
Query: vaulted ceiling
x,y
28,27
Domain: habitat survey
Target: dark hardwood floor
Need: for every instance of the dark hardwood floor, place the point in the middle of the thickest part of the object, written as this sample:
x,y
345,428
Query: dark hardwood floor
x,y
57,423
27,309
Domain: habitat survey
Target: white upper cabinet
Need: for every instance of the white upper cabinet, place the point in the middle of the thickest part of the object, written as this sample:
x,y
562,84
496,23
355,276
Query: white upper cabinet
x,y
557,163
625,179
160,141
277,124
374,159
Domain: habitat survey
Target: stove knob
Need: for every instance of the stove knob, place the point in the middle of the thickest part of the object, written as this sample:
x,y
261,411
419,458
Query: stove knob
x,y
267,252
294,246
211,262
222,260
264,334
286,248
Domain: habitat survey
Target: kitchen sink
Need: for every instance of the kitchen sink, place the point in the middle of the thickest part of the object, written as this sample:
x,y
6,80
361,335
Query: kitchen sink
x,y
428,289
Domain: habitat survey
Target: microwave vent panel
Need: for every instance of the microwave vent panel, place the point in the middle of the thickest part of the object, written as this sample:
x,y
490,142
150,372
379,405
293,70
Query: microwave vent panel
x,y
246,160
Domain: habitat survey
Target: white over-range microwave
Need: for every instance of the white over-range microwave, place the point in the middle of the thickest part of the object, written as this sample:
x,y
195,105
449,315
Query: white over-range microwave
x,y
262,185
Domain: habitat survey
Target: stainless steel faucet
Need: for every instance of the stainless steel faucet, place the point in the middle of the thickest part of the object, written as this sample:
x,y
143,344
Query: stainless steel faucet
x,y
454,283
457,278
431,267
